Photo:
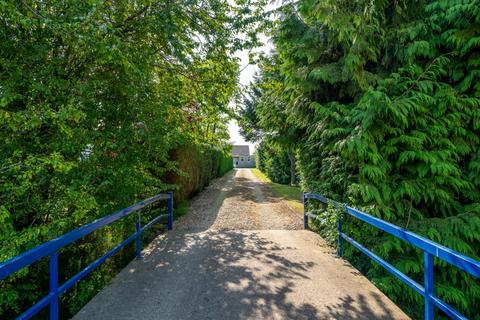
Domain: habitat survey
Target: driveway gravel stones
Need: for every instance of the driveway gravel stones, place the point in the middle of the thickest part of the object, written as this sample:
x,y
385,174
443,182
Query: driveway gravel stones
x,y
239,201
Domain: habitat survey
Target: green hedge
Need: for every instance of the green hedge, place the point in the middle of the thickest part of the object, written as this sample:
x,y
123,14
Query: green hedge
x,y
196,167
225,164
274,162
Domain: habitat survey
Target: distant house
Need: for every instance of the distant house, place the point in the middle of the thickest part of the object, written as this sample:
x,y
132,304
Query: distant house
x,y
242,157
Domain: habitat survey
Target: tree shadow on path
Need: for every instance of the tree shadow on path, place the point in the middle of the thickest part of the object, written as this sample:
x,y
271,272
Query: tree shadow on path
x,y
229,275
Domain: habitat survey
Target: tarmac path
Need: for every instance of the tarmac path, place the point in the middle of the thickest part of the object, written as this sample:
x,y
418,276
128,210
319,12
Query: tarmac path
x,y
240,253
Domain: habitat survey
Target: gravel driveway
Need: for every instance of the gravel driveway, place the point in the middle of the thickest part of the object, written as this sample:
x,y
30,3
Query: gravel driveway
x,y
239,201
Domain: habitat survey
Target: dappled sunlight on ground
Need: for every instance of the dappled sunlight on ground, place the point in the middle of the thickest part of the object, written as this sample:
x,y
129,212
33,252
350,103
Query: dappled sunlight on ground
x,y
206,270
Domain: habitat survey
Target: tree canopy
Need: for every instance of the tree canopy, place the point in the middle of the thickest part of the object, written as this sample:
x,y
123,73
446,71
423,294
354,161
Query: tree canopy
x,y
95,98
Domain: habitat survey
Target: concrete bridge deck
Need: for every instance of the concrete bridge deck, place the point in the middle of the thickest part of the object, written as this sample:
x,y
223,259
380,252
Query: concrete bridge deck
x,y
240,254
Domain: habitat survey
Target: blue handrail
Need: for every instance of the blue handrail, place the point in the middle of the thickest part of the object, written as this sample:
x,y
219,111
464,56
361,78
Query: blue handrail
x,y
430,249
52,247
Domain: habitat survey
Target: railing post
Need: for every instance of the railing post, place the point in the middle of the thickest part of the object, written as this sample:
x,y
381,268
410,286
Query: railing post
x,y
170,211
340,239
54,285
428,284
138,236
305,217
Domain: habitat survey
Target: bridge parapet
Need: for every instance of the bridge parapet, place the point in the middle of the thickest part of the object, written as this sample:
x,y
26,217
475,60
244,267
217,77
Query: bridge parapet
x,y
52,247
430,249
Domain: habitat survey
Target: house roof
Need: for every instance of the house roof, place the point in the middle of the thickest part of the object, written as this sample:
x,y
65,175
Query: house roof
x,y
241,151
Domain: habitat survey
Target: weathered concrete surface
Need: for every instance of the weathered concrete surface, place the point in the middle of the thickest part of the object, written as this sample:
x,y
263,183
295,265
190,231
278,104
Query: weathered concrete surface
x,y
216,273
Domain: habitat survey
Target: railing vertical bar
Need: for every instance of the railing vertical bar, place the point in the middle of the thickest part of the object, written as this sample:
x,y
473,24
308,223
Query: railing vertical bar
x,y
340,238
54,285
305,216
138,234
428,284
170,211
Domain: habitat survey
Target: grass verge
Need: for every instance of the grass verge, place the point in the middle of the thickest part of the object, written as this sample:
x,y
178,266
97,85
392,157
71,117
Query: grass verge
x,y
292,195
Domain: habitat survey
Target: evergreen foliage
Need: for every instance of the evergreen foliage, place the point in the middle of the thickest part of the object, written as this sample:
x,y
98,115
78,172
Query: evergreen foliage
x,y
385,99
273,161
263,116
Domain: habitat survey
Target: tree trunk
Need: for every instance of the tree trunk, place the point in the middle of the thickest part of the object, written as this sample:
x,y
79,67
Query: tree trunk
x,y
293,174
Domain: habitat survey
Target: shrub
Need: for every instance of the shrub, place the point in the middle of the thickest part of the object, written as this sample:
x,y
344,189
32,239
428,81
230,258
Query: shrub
x,y
274,162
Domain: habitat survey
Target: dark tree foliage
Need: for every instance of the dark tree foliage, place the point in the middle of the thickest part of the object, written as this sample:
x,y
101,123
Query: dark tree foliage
x,y
263,116
274,161
95,97
386,96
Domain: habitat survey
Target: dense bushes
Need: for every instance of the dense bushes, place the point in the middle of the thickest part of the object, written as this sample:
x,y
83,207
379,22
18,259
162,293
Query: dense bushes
x,y
95,96
274,162
195,167
385,97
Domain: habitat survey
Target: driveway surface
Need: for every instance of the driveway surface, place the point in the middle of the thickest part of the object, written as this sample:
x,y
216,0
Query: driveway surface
x,y
240,254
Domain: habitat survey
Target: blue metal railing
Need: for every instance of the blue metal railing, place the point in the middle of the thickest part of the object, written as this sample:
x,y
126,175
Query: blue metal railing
x,y
52,247
430,249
